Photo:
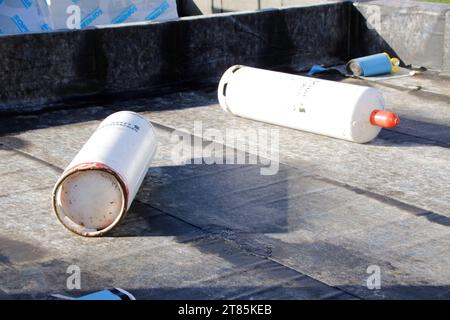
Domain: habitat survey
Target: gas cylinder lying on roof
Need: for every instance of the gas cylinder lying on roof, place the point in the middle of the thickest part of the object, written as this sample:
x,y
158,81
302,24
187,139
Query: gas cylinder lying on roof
x,y
97,188
339,110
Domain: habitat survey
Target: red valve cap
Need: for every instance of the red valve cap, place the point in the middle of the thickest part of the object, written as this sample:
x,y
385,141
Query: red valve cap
x,y
384,119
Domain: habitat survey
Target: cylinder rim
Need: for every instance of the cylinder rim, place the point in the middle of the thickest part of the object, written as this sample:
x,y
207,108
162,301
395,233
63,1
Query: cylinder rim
x,y
92,167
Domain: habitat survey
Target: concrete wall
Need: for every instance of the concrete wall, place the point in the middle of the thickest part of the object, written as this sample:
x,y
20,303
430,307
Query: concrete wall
x,y
417,32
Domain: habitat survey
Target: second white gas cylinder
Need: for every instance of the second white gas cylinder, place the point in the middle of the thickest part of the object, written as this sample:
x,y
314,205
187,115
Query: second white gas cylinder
x,y
339,110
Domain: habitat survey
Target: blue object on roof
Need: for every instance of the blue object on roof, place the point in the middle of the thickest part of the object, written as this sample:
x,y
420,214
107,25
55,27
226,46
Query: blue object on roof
x,y
315,69
113,294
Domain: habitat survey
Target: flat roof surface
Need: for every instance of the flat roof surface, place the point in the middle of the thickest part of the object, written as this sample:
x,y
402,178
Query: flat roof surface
x,y
334,209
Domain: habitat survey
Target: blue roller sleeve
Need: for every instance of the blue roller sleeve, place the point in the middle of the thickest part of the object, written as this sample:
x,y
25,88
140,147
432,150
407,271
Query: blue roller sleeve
x,y
374,65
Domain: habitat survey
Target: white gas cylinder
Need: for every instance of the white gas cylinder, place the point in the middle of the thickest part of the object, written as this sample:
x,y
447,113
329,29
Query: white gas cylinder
x,y
97,188
330,108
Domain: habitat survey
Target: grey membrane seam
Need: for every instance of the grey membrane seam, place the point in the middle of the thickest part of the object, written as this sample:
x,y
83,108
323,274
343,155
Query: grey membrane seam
x,y
31,157
221,236
419,91
435,142
409,208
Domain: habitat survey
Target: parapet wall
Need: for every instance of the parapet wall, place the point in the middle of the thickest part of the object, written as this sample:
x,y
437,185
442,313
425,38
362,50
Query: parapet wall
x,y
39,69
145,58
419,32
